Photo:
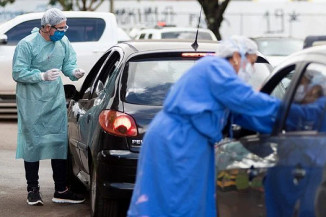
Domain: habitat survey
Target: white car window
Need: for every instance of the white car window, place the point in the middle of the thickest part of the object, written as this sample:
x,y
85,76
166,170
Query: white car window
x,y
80,30
20,31
311,87
186,35
85,29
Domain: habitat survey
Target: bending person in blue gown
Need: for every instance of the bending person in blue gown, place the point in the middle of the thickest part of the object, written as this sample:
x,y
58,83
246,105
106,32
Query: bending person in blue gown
x,y
176,172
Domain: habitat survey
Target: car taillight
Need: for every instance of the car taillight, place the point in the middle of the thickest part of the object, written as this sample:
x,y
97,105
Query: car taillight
x,y
118,123
194,54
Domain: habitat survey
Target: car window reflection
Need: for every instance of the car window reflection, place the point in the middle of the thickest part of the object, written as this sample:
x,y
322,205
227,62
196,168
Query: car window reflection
x,y
282,87
149,81
309,95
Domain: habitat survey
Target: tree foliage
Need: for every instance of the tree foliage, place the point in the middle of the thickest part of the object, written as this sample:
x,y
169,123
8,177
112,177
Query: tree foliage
x,y
4,2
82,5
214,10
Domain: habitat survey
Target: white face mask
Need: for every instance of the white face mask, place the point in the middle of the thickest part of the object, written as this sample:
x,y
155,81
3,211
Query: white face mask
x,y
246,72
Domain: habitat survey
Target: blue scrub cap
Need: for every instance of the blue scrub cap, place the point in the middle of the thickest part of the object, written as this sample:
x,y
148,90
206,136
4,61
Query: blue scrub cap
x,y
53,17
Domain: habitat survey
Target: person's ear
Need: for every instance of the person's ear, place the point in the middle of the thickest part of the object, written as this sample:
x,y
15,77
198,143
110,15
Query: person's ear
x,y
236,58
236,62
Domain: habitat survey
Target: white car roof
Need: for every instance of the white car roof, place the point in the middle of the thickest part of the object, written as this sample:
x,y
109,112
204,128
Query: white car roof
x,y
175,29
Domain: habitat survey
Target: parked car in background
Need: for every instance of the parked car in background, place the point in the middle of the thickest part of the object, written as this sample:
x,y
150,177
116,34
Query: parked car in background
x,y
282,173
90,33
109,116
276,49
314,40
176,33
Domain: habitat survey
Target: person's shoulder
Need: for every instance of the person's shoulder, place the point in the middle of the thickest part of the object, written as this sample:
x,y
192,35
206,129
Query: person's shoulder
x,y
29,38
65,40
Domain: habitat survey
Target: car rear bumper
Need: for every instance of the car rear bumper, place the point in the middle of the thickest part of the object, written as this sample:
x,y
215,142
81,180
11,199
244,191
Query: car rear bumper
x,y
116,173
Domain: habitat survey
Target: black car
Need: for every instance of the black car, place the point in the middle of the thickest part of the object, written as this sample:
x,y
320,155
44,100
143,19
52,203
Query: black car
x,y
282,173
108,117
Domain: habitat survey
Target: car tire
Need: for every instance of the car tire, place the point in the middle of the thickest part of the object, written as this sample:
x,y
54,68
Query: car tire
x,y
101,206
73,183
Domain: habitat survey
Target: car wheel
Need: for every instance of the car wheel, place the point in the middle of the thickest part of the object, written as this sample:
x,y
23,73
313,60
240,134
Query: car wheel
x,y
73,182
101,206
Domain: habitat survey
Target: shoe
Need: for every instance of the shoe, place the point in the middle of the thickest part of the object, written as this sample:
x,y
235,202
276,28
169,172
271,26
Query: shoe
x,y
67,197
34,197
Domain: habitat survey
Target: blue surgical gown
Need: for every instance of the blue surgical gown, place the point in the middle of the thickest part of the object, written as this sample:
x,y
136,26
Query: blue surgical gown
x,y
176,172
41,105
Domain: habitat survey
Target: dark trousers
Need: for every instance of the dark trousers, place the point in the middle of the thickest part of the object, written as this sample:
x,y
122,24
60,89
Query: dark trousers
x,y
59,168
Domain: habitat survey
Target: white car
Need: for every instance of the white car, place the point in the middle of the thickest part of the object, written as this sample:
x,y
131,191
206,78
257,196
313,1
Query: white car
x,y
90,33
176,32
277,48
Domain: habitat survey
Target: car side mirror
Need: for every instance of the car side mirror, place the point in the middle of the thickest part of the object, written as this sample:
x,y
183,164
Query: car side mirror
x,y
3,39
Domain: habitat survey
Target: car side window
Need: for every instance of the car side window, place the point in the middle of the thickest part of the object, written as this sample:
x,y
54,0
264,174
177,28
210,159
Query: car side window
x,y
20,31
86,88
277,87
142,36
80,30
106,71
307,113
278,84
282,86
85,29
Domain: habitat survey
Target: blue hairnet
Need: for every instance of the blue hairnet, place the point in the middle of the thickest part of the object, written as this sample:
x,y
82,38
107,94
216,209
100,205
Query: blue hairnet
x,y
53,17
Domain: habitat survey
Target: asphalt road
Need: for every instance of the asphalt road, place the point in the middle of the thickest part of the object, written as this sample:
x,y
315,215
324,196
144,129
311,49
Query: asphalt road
x,y
13,192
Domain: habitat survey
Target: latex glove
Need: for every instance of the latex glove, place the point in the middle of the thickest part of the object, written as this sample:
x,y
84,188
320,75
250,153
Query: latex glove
x,y
50,75
78,73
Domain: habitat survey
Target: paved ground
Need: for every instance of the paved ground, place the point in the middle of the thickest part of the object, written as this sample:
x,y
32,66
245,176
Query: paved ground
x,y
13,185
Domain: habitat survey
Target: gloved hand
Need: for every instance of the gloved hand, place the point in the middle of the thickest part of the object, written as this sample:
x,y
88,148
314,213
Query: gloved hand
x,y
78,73
50,75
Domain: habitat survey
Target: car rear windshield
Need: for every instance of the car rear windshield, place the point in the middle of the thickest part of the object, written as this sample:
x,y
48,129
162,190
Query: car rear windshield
x,y
186,35
149,81
279,47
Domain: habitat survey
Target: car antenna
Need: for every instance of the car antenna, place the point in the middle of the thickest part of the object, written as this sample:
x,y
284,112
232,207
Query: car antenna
x,y
195,44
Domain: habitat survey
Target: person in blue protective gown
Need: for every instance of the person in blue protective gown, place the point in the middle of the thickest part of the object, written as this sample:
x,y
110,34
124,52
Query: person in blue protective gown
x,y
38,61
176,172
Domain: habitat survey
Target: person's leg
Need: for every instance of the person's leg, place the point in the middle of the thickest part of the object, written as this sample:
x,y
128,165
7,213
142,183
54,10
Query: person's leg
x,y
59,168
33,188
62,194
31,172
